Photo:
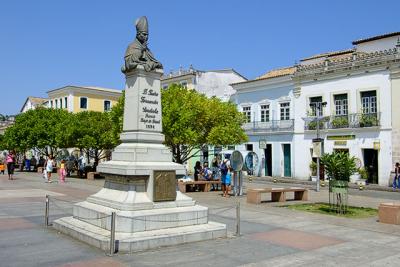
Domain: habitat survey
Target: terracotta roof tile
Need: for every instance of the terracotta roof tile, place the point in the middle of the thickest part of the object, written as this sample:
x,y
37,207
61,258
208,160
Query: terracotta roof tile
x,y
277,73
329,54
37,100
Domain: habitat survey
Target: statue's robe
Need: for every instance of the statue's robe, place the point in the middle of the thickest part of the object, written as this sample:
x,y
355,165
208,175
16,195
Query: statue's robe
x,y
138,54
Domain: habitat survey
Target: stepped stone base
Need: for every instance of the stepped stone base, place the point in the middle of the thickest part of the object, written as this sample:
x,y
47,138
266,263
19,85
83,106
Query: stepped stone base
x,y
131,242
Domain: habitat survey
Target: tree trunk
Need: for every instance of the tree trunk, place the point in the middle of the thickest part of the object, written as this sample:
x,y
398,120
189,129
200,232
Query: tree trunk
x,y
178,158
96,159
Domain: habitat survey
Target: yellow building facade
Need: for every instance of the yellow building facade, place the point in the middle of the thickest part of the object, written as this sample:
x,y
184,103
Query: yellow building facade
x,y
79,98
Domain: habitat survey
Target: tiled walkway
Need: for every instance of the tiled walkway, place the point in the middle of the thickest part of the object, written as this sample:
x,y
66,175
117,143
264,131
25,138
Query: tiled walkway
x,y
271,236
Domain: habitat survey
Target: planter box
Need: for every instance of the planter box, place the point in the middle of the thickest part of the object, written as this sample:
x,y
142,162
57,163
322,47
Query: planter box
x,y
389,213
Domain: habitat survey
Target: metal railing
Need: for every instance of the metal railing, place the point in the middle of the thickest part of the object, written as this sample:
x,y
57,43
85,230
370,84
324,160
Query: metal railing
x,y
350,121
270,126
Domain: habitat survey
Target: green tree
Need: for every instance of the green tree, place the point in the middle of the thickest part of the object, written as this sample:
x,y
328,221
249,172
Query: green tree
x,y
93,134
116,115
37,129
339,165
191,120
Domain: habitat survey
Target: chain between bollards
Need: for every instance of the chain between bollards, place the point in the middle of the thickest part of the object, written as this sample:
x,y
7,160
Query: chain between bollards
x,y
238,218
46,212
112,234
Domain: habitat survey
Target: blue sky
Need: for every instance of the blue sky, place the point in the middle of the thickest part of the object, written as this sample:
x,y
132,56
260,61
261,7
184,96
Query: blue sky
x,y
49,44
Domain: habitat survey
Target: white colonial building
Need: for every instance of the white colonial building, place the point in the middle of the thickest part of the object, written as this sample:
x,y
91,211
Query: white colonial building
x,y
353,92
267,102
211,82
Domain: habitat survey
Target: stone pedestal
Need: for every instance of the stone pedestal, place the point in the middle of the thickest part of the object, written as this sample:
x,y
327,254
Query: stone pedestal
x,y
140,184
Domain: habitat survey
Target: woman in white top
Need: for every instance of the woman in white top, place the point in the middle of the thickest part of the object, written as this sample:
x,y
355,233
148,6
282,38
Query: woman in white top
x,y
49,168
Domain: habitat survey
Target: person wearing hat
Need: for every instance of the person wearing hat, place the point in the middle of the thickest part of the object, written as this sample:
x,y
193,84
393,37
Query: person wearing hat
x,y
137,52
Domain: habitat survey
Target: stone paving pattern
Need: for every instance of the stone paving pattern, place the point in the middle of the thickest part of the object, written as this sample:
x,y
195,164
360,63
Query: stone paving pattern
x,y
271,236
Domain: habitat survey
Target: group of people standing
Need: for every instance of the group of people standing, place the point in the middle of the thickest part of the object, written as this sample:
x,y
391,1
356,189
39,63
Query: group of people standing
x,y
219,171
9,161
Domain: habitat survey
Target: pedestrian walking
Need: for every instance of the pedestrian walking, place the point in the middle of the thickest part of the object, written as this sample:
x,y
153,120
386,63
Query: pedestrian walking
x,y
10,159
225,179
396,180
49,168
62,171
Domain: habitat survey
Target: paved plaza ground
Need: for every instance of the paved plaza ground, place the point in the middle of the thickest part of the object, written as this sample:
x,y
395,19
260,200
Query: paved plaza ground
x,y
271,235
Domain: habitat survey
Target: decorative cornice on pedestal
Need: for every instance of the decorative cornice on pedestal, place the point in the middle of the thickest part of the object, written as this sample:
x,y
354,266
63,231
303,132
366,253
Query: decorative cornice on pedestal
x,y
139,71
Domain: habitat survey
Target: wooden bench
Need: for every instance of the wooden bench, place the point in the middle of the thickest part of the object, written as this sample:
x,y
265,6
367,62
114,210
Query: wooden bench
x,y
277,194
389,213
204,186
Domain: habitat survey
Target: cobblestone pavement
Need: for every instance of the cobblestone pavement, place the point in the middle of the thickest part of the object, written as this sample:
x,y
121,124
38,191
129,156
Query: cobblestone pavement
x,y
270,235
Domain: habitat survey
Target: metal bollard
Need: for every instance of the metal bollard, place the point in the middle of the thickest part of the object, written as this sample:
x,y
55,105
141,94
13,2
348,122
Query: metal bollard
x,y
112,234
46,212
238,219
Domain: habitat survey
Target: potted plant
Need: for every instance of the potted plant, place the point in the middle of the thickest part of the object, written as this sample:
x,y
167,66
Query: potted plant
x,y
363,176
339,166
313,169
340,122
368,120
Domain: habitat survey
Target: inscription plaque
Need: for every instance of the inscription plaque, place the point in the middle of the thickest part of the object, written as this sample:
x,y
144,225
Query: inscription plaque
x,y
150,110
164,186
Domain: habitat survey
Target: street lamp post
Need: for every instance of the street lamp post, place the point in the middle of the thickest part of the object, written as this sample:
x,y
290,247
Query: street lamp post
x,y
317,111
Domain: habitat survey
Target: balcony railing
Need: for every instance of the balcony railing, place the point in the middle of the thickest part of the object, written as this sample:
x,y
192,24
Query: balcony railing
x,y
355,120
270,126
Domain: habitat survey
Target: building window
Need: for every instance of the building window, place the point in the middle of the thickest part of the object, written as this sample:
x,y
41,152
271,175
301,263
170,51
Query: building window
x,y
368,102
51,104
231,147
107,105
56,103
341,106
249,147
61,103
165,86
83,103
264,113
66,102
247,113
184,84
316,106
285,111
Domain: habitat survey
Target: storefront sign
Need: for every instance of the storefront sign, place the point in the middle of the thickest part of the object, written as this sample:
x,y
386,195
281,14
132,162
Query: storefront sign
x,y
340,143
341,137
377,145
317,149
262,143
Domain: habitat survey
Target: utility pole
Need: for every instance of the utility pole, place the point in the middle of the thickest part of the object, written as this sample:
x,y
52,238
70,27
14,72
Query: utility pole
x,y
318,108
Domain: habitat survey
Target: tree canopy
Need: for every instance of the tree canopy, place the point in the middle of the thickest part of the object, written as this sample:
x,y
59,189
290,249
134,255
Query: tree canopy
x,y
38,129
191,120
49,130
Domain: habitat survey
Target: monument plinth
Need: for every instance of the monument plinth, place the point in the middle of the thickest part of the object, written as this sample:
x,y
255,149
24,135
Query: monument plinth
x,y
140,180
